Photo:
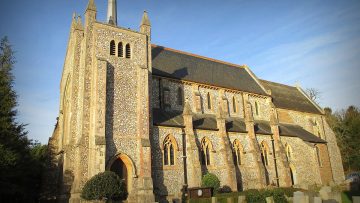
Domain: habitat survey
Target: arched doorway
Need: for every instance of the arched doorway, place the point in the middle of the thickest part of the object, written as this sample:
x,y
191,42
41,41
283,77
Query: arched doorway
x,y
123,166
120,169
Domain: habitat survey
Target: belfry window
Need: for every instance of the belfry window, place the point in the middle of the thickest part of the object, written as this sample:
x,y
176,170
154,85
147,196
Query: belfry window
x,y
128,51
169,151
112,47
209,100
237,151
120,50
206,148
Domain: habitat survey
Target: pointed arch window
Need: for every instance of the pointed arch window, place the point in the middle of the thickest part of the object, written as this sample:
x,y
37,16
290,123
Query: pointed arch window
x,y
318,155
206,148
170,148
209,100
234,104
112,47
180,96
264,153
128,51
237,152
120,50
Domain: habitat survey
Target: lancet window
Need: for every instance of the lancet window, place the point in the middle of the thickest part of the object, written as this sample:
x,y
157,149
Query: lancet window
x,y
237,152
264,153
169,147
206,148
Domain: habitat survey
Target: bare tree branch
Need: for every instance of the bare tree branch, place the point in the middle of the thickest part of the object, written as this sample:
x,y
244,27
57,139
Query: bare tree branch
x,y
314,94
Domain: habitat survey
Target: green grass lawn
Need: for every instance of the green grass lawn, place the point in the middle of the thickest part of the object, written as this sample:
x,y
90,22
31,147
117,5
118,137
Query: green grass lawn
x,y
221,198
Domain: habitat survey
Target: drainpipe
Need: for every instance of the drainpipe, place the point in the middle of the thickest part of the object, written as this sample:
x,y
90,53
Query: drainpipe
x,y
184,159
274,157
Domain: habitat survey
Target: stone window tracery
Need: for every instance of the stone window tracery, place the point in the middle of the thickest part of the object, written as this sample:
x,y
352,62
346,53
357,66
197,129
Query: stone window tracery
x,y
206,148
264,153
112,47
237,152
169,147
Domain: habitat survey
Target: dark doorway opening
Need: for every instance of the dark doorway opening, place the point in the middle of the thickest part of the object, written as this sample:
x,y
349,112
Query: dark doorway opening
x,y
120,169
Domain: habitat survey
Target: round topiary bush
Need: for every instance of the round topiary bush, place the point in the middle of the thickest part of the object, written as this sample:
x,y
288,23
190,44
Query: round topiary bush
x,y
210,180
104,185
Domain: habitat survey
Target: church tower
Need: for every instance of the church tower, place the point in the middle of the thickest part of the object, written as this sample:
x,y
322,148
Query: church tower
x,y
104,121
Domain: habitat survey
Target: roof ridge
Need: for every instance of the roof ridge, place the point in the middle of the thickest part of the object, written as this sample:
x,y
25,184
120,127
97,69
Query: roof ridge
x,y
277,83
199,56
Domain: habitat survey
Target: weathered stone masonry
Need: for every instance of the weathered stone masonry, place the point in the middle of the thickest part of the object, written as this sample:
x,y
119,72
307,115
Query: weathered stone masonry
x,y
162,118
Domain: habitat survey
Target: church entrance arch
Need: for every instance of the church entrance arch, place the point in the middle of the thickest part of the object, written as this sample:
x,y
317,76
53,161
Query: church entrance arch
x,y
123,166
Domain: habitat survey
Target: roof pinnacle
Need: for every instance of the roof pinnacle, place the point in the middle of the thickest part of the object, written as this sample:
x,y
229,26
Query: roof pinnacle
x,y
145,19
91,5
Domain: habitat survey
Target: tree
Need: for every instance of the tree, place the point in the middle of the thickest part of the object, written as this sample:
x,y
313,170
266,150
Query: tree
x,y
314,94
104,185
346,126
19,167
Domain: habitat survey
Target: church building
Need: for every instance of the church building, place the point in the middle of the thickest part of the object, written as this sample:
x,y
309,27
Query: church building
x,y
161,118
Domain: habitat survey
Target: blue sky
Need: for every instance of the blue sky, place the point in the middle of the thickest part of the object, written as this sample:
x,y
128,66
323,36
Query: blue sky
x,y
314,43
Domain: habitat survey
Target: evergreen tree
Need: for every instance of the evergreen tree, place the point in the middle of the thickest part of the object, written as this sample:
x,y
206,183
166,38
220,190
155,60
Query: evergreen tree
x,y
346,125
20,162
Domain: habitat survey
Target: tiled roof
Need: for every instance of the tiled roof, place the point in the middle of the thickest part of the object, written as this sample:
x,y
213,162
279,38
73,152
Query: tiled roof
x,y
235,125
288,97
200,121
297,131
180,65
262,127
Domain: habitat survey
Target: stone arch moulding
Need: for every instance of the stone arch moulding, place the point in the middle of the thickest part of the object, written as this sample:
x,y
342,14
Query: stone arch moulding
x,y
129,163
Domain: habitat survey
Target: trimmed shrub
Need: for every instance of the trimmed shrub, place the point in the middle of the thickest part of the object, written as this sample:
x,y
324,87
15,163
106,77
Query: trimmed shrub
x,y
259,196
254,196
210,180
104,185
279,195
224,189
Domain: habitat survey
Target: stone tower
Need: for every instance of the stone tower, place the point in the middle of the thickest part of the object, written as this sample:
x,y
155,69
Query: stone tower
x,y
104,114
